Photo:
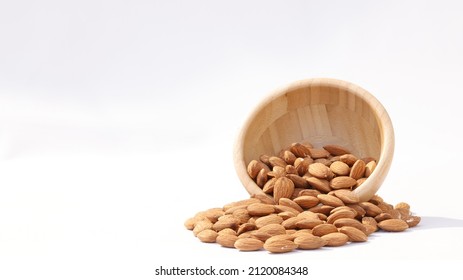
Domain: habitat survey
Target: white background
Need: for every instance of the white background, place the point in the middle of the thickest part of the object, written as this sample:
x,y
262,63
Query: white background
x,y
117,122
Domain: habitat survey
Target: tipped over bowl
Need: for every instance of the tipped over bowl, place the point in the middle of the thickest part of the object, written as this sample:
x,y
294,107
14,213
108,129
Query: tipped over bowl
x,y
321,112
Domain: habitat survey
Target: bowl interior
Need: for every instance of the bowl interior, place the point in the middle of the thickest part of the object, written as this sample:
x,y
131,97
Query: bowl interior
x,y
321,112
318,113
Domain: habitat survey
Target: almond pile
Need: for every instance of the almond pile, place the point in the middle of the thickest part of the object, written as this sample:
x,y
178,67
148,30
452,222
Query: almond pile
x,y
308,203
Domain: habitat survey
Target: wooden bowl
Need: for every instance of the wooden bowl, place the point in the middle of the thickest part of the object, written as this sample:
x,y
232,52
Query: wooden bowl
x,y
319,111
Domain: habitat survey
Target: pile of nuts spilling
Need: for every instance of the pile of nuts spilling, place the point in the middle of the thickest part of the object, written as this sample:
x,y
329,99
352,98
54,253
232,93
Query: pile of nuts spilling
x,y
308,203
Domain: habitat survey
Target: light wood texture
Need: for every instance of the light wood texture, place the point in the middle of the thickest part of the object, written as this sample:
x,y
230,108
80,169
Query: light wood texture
x,y
319,111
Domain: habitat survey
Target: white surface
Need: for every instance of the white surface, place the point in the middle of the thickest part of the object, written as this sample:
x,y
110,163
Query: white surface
x,y
117,121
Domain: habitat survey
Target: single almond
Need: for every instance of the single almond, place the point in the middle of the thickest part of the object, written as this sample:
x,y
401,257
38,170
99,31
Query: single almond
x,y
319,170
266,199
288,202
336,150
260,209
330,200
284,187
358,169
289,157
267,220
279,246
277,172
269,186
335,239
282,208
290,169
190,223
277,161
291,222
308,215
371,209
369,168
265,159
339,223
245,228
342,182
308,223
309,192
248,244
202,225
340,168
318,153
402,205
347,196
348,159
325,162
268,231
321,185
393,225
324,229
306,201
354,234
361,181
285,236
345,208
298,181
227,240
370,225
299,150
357,208
286,215
207,236
227,231
413,221
309,242
301,232
261,178
302,165
324,209
226,222
213,214
383,216
242,215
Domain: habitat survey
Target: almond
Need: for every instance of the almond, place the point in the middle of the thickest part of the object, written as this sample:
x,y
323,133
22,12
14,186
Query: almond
x,y
318,153
309,192
354,234
284,187
326,162
348,159
279,246
342,182
336,150
227,231
288,202
309,242
242,215
289,157
339,215
393,225
227,240
324,209
358,170
260,209
321,185
324,229
330,200
245,228
289,169
298,181
264,198
299,150
213,214
339,223
277,161
340,168
282,208
226,222
254,168
284,236
261,178
286,215
370,225
240,203
265,159
268,231
347,196
291,222
306,201
202,225
277,172
357,208
269,186
335,239
302,165
207,236
402,205
319,170
267,220
369,168
383,216
413,221
248,244
371,209
308,223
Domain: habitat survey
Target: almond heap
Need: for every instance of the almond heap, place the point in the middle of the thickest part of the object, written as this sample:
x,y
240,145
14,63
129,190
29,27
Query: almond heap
x,y
308,203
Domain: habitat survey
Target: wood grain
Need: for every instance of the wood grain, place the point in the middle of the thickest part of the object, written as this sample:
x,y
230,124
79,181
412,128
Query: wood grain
x,y
320,111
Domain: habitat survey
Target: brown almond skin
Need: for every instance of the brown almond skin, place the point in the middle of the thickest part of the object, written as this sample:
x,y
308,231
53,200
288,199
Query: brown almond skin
x,y
347,196
369,168
339,223
319,170
309,242
227,240
289,157
321,185
342,182
349,159
330,200
288,202
260,209
298,181
358,170
412,221
299,150
393,225
254,168
339,215
262,178
324,229
354,234
335,239
308,223
336,150
371,209
207,236
248,244
340,168
279,246
306,201
283,187
267,220
318,153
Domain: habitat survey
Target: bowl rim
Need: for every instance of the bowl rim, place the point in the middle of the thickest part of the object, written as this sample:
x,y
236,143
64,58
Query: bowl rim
x,y
373,183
